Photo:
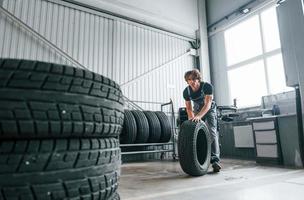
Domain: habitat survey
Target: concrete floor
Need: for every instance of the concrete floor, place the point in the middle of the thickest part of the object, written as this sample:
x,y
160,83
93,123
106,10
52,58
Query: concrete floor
x,y
239,180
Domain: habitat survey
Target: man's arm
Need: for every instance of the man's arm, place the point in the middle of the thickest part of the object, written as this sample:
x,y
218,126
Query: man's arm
x,y
189,109
205,108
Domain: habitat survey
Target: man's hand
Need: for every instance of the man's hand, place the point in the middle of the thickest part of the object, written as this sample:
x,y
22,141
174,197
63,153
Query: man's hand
x,y
204,110
196,118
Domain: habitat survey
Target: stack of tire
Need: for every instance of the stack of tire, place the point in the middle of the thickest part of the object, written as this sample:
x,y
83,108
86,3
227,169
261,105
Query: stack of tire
x,y
145,127
182,116
58,132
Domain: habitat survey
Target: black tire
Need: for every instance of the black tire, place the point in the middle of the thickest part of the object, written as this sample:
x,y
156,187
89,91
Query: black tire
x,y
59,169
194,148
166,130
129,131
142,126
154,127
44,100
115,197
182,116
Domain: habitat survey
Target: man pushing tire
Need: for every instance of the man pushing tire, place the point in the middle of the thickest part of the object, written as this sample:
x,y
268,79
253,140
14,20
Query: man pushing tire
x,y
204,109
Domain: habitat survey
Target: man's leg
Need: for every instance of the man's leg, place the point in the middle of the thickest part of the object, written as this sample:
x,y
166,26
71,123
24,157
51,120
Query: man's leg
x,y
211,120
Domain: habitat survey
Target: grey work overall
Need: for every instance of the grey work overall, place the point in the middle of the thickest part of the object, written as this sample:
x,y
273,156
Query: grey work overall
x,y
210,119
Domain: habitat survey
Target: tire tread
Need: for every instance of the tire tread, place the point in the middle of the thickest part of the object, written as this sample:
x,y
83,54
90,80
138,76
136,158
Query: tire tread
x,y
43,100
59,169
187,150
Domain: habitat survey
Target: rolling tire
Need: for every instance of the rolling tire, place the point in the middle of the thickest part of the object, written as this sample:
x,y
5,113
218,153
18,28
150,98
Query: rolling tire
x,y
115,197
59,169
166,130
194,148
44,100
129,131
154,127
142,126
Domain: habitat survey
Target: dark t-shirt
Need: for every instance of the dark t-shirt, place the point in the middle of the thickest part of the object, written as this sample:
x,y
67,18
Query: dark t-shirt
x,y
198,97
207,88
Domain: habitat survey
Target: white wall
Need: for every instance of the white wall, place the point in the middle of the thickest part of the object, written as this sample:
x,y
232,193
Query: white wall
x,y
219,69
147,63
203,35
179,16
217,9
183,17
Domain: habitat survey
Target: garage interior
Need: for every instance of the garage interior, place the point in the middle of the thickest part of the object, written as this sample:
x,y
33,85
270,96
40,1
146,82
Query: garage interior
x,y
139,50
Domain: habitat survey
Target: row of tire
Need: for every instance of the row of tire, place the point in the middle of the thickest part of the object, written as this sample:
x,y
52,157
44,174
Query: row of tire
x,y
58,132
145,127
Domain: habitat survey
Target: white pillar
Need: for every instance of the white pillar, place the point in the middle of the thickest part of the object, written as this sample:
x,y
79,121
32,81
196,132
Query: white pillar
x,y
203,35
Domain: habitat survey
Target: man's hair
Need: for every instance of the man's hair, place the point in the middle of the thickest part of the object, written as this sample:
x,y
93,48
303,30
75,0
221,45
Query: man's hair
x,y
193,75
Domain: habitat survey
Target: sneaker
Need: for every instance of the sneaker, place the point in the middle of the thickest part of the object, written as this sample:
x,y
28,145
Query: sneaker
x,y
216,167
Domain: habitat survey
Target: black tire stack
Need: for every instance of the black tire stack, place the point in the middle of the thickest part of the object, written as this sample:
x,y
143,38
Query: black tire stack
x,y
58,132
155,130
129,131
166,130
142,125
145,127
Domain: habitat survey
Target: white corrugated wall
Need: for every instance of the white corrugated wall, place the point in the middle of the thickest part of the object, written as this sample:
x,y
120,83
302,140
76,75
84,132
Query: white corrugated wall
x,y
147,63
140,65
84,36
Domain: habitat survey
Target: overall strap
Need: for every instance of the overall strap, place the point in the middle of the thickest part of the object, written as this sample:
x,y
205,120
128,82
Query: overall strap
x,y
202,88
188,89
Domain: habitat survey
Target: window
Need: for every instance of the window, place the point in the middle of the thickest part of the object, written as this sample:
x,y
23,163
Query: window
x,y
253,54
248,82
276,74
240,37
270,30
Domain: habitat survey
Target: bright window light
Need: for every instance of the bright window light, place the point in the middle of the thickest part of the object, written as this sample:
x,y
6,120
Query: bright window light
x,y
276,75
247,84
249,79
270,29
243,41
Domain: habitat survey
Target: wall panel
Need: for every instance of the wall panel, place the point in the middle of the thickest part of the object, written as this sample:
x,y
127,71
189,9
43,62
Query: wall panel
x,y
141,56
219,69
84,36
148,63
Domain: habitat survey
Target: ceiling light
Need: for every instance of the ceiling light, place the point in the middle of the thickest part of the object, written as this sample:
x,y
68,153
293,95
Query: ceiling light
x,y
245,10
280,2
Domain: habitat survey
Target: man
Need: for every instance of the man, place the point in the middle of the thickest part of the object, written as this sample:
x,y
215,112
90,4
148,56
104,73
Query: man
x,y
204,108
